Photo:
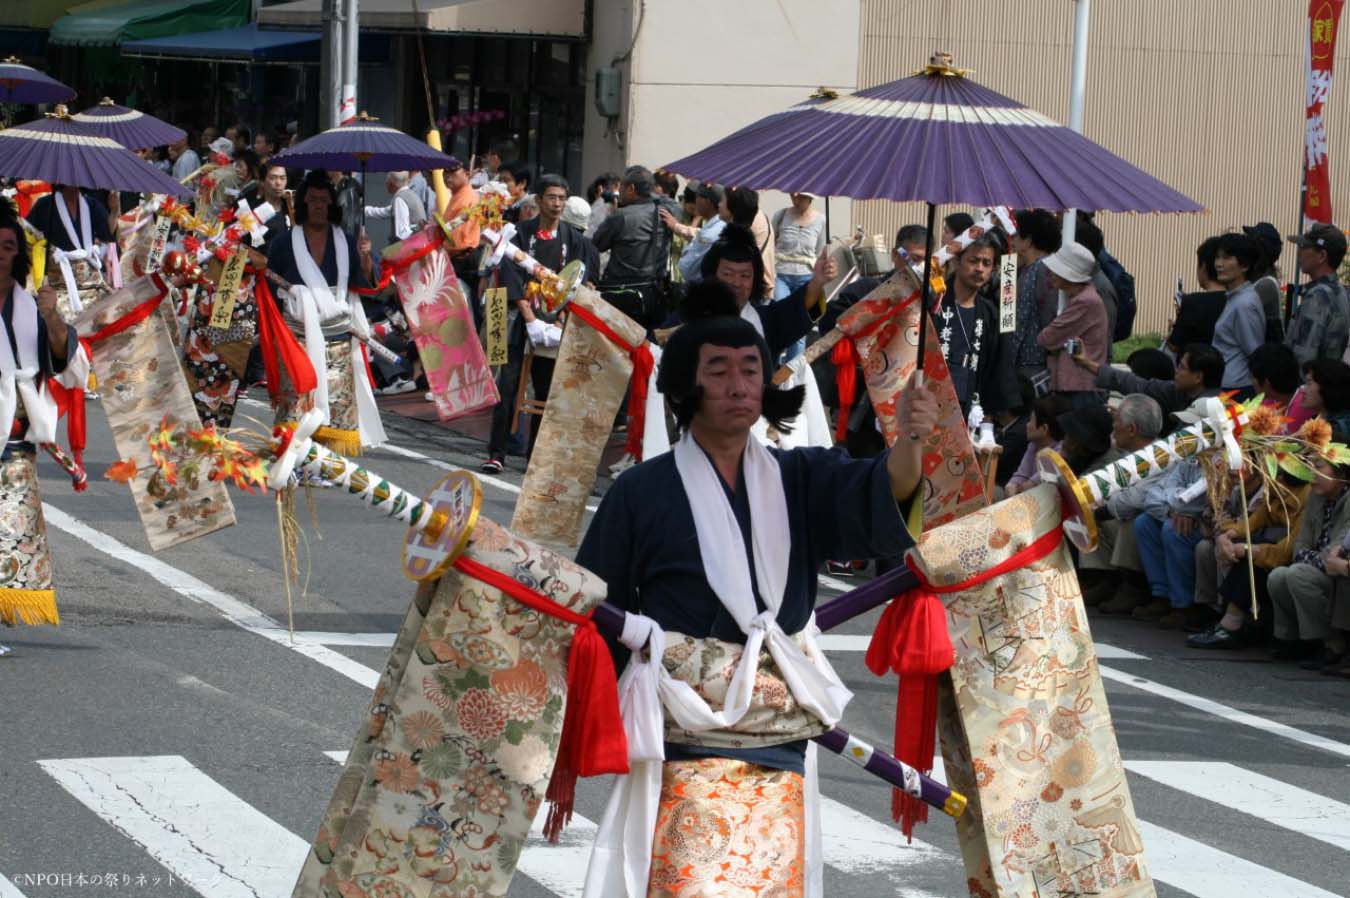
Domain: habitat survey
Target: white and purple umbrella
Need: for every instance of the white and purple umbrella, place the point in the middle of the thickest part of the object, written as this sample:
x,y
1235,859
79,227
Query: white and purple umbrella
x,y
58,151
936,137
21,83
129,127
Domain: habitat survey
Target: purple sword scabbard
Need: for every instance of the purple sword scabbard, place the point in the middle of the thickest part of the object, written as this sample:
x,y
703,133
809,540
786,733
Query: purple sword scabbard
x,y
870,595
609,620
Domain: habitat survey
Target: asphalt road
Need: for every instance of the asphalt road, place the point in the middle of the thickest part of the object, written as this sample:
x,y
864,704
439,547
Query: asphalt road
x,y
169,740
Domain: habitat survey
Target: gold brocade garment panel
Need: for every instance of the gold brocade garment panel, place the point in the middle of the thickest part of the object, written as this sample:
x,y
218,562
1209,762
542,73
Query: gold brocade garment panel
x,y
26,594
1026,732
446,775
141,384
890,358
728,829
590,381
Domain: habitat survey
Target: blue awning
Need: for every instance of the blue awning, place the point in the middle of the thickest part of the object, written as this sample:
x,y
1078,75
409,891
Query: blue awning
x,y
246,44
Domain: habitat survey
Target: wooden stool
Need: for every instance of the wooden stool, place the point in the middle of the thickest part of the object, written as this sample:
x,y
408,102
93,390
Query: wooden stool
x,y
989,461
523,403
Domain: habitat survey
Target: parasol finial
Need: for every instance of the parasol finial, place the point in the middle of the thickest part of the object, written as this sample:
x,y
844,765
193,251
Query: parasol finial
x,y
366,117
106,101
940,63
824,93
60,111
11,59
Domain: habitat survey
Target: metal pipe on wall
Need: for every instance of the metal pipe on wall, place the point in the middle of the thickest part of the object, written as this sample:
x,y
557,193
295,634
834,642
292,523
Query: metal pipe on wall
x,y
330,65
1077,100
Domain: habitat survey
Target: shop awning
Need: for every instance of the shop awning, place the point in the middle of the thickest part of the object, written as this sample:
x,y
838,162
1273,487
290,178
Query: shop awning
x,y
112,25
554,18
246,44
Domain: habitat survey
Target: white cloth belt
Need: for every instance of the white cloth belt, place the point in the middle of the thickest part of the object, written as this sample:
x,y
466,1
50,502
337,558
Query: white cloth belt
x,y
316,302
18,378
63,259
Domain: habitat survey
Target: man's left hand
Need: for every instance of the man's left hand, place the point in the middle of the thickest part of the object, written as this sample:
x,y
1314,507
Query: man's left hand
x,y
917,411
363,245
825,268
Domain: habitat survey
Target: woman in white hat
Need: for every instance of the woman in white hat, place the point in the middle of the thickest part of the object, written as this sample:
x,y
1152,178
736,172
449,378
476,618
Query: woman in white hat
x,y
1080,327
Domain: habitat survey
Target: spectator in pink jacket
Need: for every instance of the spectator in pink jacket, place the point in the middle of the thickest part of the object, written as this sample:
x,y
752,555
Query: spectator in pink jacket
x,y
1080,327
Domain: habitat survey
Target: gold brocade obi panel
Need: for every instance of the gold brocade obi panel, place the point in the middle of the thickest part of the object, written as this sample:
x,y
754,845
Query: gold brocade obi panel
x,y
1025,728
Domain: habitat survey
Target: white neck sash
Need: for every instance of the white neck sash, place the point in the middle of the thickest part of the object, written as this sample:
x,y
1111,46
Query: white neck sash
x,y
18,376
84,240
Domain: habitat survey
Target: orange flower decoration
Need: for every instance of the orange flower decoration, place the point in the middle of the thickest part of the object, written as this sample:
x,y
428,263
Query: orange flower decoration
x,y
122,471
1317,432
1266,420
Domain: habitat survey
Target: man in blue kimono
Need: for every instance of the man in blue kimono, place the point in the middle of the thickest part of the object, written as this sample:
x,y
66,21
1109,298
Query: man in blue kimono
x,y
713,549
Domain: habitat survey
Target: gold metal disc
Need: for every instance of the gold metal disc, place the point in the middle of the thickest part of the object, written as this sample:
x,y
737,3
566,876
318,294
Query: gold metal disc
x,y
458,496
1080,524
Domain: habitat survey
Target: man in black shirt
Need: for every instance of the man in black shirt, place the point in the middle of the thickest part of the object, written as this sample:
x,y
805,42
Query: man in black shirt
x,y
639,249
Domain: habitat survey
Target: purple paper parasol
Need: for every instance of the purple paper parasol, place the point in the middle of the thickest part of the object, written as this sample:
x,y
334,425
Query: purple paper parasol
x,y
936,137
20,83
57,150
363,145
129,127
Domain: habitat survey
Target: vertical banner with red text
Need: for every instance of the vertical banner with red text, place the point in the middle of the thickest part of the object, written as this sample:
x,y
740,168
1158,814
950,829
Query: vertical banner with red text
x,y
1323,19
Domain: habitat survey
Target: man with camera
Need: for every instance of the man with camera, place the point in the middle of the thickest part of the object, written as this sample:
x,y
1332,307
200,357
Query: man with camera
x,y
636,280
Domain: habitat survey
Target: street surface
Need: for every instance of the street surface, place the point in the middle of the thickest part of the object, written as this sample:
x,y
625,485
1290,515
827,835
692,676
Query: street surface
x,y
170,740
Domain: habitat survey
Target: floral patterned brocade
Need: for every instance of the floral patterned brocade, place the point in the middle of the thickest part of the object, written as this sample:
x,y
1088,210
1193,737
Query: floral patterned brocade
x,y
442,327
446,775
89,284
774,716
589,383
728,829
215,358
952,475
342,412
26,594
1025,729
141,383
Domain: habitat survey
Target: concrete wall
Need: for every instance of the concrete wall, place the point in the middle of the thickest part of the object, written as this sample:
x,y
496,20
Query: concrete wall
x,y
1207,100
701,69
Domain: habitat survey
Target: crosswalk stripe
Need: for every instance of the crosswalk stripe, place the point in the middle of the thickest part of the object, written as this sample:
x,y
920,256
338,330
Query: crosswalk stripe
x,y
210,838
1207,872
1263,797
9,889
1232,715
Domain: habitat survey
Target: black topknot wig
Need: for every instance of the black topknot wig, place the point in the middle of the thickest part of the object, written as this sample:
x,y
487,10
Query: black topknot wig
x,y
737,244
317,179
9,219
711,318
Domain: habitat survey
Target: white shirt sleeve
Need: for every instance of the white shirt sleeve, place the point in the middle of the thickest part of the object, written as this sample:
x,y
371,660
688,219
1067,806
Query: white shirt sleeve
x,y
402,220
380,211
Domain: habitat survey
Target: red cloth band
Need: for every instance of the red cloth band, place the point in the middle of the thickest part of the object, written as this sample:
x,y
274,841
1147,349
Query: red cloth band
x,y
911,639
593,740
279,345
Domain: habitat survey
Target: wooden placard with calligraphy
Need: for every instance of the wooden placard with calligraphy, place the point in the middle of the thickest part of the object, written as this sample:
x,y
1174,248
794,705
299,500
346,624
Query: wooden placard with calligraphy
x,y
495,325
163,224
1007,294
227,289
140,384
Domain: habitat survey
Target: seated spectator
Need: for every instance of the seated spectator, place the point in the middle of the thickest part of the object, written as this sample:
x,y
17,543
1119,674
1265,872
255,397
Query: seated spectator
x,y
1274,521
1326,392
1198,312
1275,373
1301,592
1266,277
1320,327
1043,432
1135,422
1197,374
1080,327
1339,569
1242,323
1087,437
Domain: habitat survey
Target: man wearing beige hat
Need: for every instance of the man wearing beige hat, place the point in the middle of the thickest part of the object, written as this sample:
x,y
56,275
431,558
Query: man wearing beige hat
x,y
1080,327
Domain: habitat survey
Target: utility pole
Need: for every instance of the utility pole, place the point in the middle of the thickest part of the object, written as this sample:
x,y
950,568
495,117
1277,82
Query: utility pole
x,y
330,65
352,28
1077,91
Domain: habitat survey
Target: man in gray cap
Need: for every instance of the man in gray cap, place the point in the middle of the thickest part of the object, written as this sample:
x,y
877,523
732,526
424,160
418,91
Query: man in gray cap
x,y
1320,327
701,239
1080,327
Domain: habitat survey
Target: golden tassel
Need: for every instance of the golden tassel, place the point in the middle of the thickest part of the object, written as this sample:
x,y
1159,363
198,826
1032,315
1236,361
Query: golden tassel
x,y
29,606
343,442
